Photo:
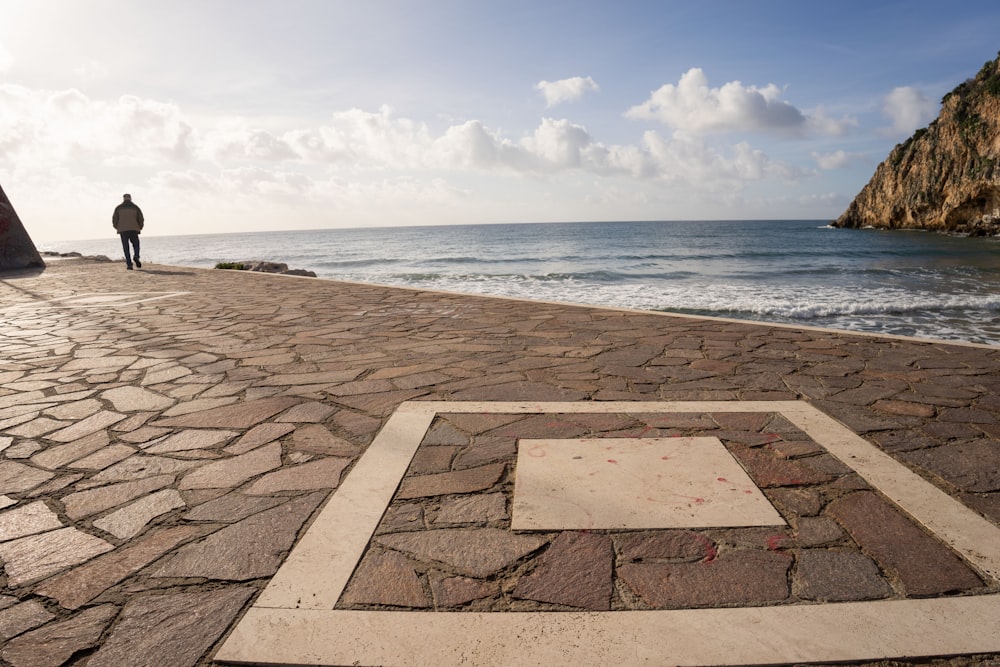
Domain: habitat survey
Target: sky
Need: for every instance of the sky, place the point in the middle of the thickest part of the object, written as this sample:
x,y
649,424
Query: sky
x,y
259,115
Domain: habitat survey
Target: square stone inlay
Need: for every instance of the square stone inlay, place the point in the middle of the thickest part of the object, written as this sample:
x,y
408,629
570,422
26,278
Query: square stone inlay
x,y
634,483
294,620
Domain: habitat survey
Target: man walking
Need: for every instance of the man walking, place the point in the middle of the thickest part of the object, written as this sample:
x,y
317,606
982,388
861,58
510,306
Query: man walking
x,y
128,222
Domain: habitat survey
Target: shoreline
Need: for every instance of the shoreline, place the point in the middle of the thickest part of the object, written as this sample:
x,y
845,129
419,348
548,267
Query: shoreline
x,y
728,320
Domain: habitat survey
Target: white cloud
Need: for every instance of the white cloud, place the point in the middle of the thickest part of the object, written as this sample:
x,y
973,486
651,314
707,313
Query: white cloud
x,y
693,107
566,90
472,145
692,161
908,109
91,71
368,166
836,160
364,139
818,122
54,127
559,144
245,144
6,59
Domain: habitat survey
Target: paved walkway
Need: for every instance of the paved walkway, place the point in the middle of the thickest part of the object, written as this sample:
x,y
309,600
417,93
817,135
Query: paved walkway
x,y
426,478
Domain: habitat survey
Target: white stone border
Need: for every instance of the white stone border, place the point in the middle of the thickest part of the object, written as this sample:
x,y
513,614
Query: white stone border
x,y
293,621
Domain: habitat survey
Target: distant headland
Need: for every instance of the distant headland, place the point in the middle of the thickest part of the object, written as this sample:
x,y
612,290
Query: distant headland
x,y
946,177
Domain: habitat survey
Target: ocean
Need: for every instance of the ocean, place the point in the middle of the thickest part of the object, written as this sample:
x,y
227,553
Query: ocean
x,y
790,271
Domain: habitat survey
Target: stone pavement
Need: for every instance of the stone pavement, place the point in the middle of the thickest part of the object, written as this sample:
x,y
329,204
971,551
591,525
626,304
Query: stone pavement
x,y
432,471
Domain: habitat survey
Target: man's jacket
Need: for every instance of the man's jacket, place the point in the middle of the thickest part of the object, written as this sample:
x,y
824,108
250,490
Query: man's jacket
x,y
127,217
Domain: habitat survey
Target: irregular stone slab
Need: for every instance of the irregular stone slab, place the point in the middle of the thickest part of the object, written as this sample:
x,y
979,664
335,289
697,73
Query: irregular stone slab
x,y
229,473
92,501
60,455
444,433
473,509
6,502
457,591
175,629
16,619
800,502
767,470
923,565
475,552
54,644
37,427
103,458
27,520
160,376
139,466
311,413
838,576
518,391
53,485
673,545
317,439
99,363
199,405
250,549
742,421
144,434
130,520
319,474
84,583
23,449
232,507
32,558
574,571
815,531
741,577
191,439
298,379
361,387
17,478
476,423
973,466
259,435
485,450
462,481
83,428
402,518
137,399
21,401
358,424
385,578
434,459
240,415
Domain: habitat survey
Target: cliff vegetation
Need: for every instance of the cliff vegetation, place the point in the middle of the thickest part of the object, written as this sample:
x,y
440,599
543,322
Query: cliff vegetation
x,y
946,177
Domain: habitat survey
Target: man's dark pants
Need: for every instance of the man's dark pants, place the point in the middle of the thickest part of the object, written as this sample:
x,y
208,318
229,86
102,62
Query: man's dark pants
x,y
133,238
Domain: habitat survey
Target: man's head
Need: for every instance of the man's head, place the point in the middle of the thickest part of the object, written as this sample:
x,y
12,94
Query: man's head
x,y
127,197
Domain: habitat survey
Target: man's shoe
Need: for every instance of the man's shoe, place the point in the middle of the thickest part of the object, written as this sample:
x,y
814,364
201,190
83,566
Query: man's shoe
x,y
128,266
138,264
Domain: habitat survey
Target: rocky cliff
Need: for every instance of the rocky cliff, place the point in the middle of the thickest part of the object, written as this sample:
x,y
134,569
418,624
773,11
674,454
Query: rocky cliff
x,y
946,177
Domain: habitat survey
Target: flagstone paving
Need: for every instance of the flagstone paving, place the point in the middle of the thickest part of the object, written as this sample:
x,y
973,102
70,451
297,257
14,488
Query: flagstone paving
x,y
168,435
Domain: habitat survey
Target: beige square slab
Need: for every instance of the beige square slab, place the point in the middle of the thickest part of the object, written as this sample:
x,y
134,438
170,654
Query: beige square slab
x,y
293,621
634,483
